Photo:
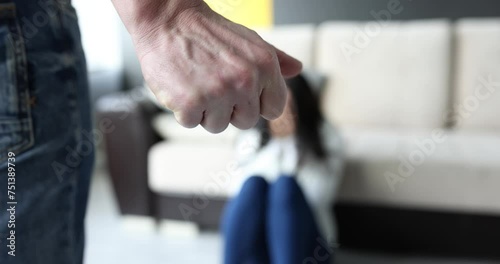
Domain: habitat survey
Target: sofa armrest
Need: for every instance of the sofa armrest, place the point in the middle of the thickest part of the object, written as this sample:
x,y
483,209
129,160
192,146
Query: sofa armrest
x,y
127,147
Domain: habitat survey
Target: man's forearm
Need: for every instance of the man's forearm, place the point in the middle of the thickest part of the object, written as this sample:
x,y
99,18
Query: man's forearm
x,y
140,16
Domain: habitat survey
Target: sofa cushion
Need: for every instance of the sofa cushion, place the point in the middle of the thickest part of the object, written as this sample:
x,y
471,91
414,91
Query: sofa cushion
x,y
460,171
477,103
180,168
296,40
397,76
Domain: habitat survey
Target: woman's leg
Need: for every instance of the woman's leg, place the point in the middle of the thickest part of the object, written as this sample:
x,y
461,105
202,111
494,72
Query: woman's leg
x,y
293,236
243,225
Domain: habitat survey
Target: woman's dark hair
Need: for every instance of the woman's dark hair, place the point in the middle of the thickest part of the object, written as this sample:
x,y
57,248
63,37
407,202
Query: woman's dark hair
x,y
308,118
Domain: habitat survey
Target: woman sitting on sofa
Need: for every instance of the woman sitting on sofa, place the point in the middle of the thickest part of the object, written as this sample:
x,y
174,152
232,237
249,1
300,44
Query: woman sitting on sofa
x,y
298,161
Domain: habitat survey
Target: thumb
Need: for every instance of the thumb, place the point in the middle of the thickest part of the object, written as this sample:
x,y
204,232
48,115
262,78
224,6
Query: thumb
x,y
290,66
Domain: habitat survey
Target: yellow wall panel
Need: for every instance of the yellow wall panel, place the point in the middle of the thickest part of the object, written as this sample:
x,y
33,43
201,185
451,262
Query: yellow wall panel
x,y
251,13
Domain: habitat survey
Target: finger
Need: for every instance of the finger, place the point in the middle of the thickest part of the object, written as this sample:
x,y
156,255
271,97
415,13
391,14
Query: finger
x,y
246,114
290,66
273,99
217,119
189,119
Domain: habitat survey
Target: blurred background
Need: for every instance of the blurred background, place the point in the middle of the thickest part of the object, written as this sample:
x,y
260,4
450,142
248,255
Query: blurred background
x,y
412,85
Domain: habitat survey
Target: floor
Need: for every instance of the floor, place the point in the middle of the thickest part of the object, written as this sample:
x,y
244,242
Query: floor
x,y
112,239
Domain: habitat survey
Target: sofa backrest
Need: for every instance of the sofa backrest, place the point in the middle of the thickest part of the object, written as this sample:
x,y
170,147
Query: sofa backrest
x,y
296,40
388,74
477,75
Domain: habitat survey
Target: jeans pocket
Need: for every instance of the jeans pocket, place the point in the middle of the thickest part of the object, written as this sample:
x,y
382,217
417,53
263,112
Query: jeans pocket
x,y
16,128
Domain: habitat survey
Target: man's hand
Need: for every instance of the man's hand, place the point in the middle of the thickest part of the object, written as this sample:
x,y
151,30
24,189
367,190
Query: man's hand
x,y
206,69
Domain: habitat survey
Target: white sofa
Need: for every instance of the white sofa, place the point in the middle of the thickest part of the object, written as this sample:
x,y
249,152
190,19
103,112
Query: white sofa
x,y
403,104
403,95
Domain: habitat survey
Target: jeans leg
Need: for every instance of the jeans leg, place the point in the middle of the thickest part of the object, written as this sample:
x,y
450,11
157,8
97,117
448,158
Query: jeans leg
x,y
243,225
291,229
45,124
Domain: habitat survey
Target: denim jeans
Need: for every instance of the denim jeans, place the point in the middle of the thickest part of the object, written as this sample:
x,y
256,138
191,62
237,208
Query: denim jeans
x,y
46,150
272,224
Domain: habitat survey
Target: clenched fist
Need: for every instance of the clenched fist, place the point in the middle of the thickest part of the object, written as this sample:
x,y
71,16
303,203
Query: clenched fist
x,y
205,68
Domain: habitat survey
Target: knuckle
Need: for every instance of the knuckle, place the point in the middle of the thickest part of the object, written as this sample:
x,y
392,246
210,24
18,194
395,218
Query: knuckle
x,y
266,57
216,129
216,88
245,78
191,101
186,119
273,111
164,99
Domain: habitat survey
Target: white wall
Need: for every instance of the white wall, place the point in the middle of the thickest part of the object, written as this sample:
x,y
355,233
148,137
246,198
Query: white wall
x,y
100,26
101,36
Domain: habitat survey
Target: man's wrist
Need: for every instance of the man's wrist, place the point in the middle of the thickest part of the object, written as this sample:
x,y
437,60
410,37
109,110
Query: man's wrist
x,y
143,16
